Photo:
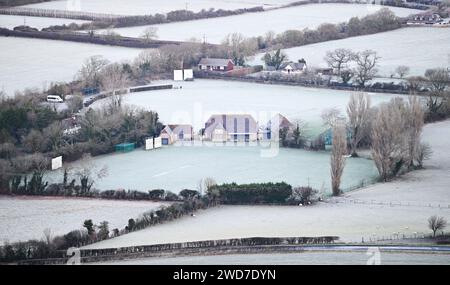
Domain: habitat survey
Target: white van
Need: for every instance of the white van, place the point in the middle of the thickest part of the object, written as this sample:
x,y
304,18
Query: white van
x,y
54,99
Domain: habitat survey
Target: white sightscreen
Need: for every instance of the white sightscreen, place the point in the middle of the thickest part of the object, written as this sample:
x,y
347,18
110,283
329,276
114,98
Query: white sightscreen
x,y
148,144
178,75
158,142
188,74
56,162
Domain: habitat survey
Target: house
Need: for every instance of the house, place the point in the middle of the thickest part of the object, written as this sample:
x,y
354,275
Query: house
x,y
326,71
425,19
231,127
276,123
173,133
216,64
293,67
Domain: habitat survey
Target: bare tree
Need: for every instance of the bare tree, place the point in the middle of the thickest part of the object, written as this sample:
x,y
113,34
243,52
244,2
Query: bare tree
x,y
209,183
149,34
87,171
111,35
239,47
332,117
205,185
89,74
338,152
436,223
366,66
388,140
114,79
2,96
269,38
358,112
402,70
339,58
48,235
414,122
415,83
438,80
74,103
423,152
305,195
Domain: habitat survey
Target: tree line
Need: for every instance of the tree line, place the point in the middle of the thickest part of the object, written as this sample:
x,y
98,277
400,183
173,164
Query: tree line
x,y
187,202
380,21
144,20
32,133
11,3
392,131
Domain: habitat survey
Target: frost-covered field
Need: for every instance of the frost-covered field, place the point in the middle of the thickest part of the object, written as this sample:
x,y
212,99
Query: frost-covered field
x,y
428,186
144,7
196,101
304,258
181,167
351,222
400,47
257,24
9,22
27,63
427,194
24,218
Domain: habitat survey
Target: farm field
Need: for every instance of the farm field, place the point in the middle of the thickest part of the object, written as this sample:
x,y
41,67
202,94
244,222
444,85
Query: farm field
x,y
24,218
179,167
194,102
349,220
145,7
9,22
399,47
304,258
214,30
35,63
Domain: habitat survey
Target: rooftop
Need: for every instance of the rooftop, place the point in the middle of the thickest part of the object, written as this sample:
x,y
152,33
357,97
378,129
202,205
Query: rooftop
x,y
215,61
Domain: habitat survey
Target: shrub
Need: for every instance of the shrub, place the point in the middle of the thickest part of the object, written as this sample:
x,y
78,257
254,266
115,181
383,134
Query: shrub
x,y
189,194
156,194
303,195
263,193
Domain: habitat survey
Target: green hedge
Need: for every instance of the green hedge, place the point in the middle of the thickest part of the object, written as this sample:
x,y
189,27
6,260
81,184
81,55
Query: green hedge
x,y
256,193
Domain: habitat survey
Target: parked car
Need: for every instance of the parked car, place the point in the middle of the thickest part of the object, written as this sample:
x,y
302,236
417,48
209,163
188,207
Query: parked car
x,y
54,99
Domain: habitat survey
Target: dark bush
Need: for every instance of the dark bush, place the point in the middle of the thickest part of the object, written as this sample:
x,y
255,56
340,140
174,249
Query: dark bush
x,y
156,194
189,194
263,193
303,195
